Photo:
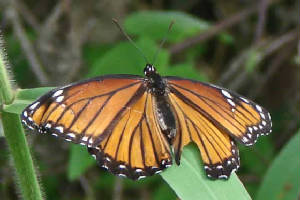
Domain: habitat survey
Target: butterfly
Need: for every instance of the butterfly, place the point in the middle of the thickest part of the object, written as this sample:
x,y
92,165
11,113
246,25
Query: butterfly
x,y
134,125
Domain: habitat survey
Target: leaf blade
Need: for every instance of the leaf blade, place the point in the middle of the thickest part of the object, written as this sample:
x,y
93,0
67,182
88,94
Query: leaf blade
x,y
194,184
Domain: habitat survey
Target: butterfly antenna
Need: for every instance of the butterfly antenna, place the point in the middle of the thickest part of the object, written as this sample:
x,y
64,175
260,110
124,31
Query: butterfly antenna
x,y
162,42
129,39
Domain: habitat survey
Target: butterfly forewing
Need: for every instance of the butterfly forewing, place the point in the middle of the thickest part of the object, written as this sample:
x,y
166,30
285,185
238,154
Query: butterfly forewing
x,y
83,112
235,115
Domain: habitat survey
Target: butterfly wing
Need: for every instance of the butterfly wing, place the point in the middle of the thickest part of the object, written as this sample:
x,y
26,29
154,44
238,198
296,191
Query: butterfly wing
x,y
136,147
113,116
208,115
86,111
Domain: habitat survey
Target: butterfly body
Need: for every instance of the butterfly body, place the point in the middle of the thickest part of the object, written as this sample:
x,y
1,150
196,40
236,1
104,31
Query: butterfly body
x,y
163,111
130,123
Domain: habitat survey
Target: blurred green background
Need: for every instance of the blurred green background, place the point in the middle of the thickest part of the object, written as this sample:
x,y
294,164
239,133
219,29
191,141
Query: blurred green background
x,y
251,47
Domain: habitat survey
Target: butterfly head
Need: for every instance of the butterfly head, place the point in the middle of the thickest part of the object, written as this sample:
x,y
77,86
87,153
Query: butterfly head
x,y
149,70
155,82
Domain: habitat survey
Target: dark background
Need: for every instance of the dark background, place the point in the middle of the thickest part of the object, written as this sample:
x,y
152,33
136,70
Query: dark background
x,y
251,47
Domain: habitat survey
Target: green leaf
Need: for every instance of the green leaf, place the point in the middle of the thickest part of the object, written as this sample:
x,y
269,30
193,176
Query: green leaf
x,y
154,24
125,59
190,182
25,97
282,180
184,70
79,161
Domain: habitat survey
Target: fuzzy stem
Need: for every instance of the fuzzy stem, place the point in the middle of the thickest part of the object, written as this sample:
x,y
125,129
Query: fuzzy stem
x,y
15,137
28,182
6,92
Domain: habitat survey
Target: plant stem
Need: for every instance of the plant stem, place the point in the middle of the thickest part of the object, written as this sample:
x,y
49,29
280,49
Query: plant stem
x,y
15,137
23,163
6,92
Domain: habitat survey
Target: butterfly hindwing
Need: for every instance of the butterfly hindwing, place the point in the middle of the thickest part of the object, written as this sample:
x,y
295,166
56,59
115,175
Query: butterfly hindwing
x,y
217,149
136,147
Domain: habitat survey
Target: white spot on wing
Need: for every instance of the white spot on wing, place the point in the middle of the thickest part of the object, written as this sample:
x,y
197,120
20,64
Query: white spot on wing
x,y
250,129
60,129
85,138
122,166
72,135
226,94
244,100
122,175
258,108
57,93
141,177
231,102
33,106
59,99
223,176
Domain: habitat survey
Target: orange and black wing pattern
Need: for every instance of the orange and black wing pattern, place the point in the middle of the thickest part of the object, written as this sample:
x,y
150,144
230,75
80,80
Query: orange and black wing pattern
x,y
113,116
136,147
212,117
84,112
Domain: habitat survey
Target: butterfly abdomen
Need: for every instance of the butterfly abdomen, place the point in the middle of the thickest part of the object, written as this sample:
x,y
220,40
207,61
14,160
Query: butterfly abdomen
x,y
165,117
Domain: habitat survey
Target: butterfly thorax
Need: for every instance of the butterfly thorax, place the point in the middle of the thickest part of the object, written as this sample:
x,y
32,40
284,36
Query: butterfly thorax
x,y
154,81
165,117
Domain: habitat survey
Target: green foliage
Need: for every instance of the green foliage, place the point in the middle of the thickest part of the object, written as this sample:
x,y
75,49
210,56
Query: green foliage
x,y
25,97
79,161
145,24
282,180
261,153
125,59
190,182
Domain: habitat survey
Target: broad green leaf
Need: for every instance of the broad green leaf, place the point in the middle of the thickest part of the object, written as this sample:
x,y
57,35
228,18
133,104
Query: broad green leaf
x,y
125,59
154,24
282,180
25,97
190,182
79,161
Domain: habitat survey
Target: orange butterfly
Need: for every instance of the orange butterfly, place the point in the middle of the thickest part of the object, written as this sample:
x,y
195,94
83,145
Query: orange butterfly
x,y
129,123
